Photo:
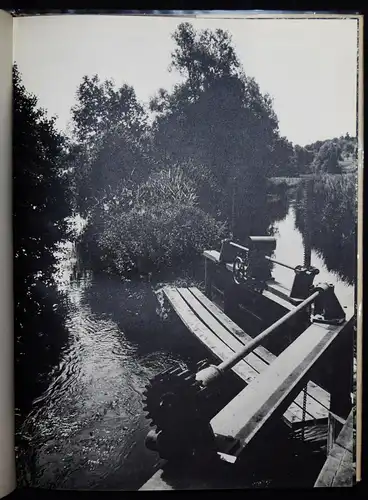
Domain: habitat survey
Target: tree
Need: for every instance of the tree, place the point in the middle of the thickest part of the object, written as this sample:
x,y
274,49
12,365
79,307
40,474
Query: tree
x,y
217,118
39,180
40,206
284,159
110,142
101,107
203,56
327,159
303,158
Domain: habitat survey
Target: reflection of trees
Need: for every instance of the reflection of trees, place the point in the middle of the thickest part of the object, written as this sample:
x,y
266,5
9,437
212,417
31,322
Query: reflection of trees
x,y
258,212
278,202
333,221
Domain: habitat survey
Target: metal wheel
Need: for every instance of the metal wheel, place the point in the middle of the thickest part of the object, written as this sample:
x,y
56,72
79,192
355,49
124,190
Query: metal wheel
x,y
240,268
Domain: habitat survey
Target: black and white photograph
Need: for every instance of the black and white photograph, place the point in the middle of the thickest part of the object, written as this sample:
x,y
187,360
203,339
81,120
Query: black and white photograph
x,y
185,224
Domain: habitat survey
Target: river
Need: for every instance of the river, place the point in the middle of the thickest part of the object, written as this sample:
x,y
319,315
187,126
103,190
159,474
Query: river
x,y
87,429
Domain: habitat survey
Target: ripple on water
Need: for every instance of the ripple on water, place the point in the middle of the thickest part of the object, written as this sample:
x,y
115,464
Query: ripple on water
x,y
85,428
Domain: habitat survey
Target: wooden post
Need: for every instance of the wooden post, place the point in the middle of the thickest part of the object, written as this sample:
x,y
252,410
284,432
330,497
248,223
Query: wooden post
x,y
342,374
208,277
335,425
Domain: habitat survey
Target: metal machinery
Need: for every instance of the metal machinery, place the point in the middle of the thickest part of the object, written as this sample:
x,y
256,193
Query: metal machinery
x,y
181,403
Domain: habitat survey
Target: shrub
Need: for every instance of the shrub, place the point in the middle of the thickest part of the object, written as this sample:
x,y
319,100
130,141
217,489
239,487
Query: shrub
x,y
155,235
170,184
158,225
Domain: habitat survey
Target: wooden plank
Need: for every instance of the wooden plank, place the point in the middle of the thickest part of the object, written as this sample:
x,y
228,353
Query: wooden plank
x,y
350,420
157,482
219,330
315,433
340,453
218,348
279,290
238,332
212,255
280,301
222,351
344,476
346,438
179,479
317,398
247,413
294,414
327,475
338,470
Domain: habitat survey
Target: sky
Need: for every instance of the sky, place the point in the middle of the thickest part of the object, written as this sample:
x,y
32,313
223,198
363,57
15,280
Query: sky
x,y
309,67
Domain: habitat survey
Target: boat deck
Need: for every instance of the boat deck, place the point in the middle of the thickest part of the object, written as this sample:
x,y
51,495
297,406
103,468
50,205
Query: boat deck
x,y
222,337
264,397
275,388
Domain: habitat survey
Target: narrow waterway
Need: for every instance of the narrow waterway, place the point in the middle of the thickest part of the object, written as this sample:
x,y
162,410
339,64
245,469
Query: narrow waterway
x,y
87,429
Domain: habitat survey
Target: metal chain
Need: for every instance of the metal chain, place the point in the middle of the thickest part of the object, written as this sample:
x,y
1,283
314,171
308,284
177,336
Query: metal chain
x,y
304,411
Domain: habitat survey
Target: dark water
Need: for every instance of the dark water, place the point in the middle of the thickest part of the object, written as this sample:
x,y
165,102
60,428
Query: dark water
x,y
87,429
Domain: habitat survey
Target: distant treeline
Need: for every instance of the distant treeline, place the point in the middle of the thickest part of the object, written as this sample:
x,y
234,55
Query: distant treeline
x,y
335,156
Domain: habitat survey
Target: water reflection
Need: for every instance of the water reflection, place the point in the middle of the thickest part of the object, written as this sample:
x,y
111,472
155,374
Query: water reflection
x,y
290,248
333,220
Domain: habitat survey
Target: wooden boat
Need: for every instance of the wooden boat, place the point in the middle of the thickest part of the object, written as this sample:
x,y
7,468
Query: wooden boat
x,y
277,386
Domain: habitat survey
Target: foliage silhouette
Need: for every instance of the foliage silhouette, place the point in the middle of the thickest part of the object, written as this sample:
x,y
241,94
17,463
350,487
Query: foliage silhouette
x,y
40,206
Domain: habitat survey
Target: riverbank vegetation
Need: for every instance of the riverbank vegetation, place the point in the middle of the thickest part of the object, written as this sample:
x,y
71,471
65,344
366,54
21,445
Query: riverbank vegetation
x,y
157,185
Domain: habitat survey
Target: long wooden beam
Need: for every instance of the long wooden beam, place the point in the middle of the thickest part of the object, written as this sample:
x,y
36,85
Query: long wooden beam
x,y
275,387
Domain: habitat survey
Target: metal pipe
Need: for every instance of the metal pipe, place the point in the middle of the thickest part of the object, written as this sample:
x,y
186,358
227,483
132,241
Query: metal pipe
x,y
229,363
279,263
239,246
212,372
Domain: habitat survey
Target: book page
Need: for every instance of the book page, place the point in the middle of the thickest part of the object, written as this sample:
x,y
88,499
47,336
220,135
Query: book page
x,y
7,464
187,250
